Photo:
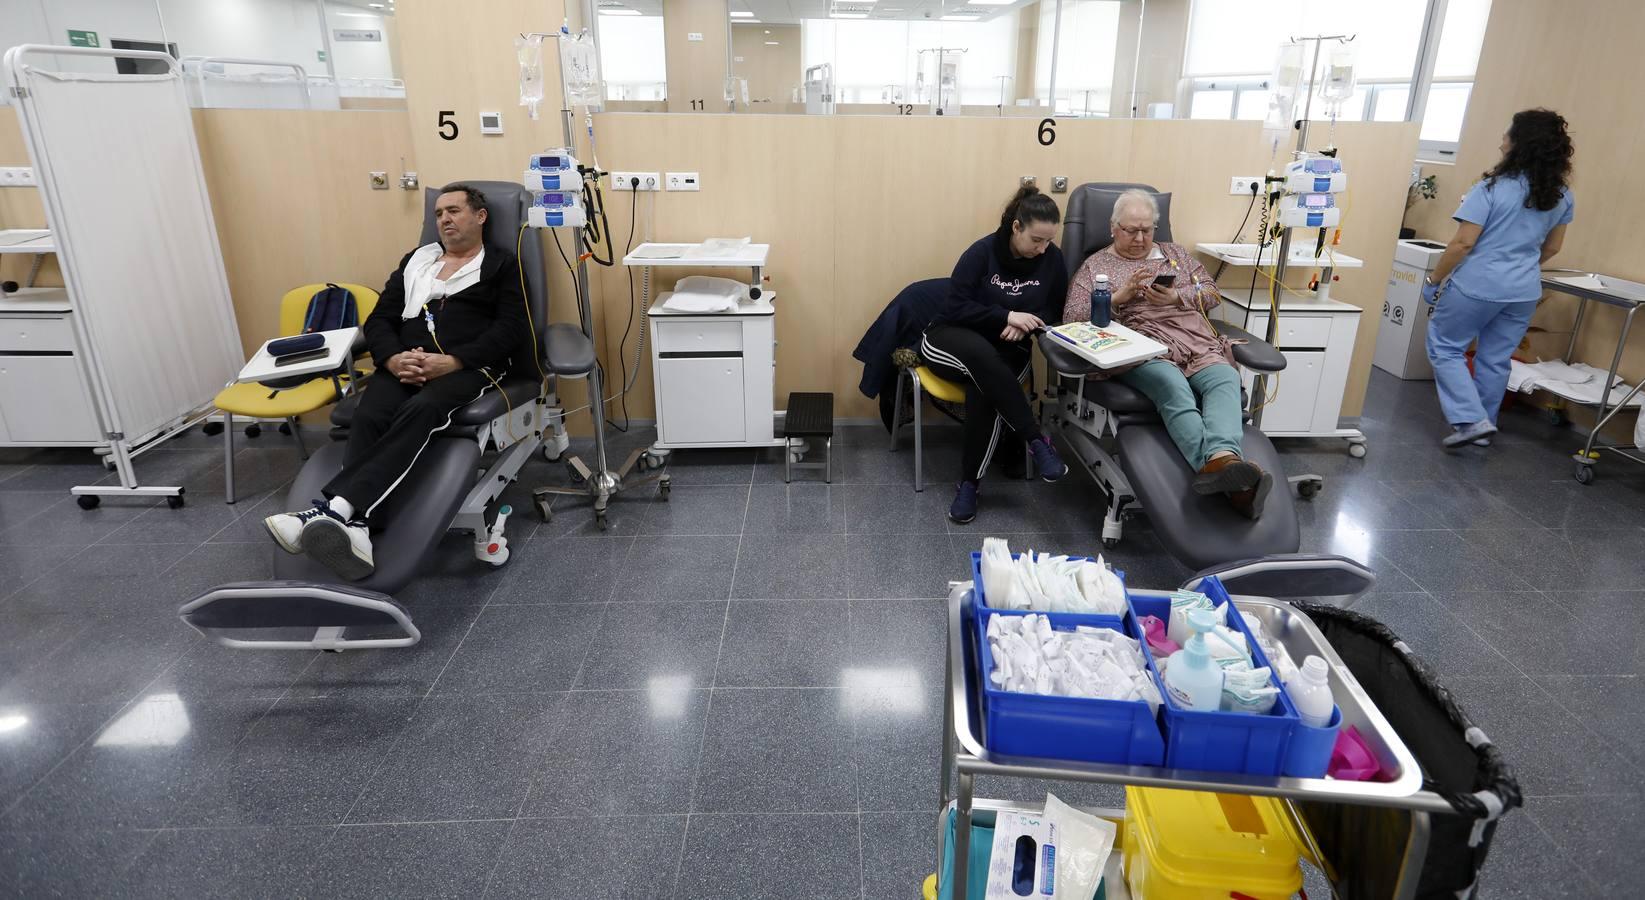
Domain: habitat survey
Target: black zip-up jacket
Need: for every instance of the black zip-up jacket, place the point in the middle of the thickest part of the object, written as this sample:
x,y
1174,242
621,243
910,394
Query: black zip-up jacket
x,y
484,325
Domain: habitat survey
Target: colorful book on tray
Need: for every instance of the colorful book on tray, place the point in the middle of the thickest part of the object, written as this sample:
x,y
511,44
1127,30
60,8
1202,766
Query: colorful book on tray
x,y
1110,346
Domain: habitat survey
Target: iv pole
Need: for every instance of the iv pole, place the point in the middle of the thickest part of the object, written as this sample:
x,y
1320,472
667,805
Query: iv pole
x,y
601,483
1259,386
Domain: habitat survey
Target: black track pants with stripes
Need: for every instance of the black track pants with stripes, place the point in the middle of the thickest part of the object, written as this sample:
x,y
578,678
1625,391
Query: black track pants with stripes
x,y
992,372
392,426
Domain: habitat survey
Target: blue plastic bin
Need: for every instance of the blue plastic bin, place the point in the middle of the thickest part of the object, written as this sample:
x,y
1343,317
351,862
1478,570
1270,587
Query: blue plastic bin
x,y
1309,755
982,599
1077,728
1224,741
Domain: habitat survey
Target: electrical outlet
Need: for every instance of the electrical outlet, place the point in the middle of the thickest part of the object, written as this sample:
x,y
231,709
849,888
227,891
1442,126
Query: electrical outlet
x,y
1245,185
16,176
683,181
649,181
379,181
1028,181
1059,184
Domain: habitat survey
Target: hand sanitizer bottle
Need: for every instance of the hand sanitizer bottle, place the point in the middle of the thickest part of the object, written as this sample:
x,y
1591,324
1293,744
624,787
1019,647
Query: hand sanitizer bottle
x,y
1191,678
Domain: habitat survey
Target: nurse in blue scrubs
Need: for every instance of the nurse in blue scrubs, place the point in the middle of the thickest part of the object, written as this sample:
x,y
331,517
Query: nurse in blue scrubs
x,y
1488,280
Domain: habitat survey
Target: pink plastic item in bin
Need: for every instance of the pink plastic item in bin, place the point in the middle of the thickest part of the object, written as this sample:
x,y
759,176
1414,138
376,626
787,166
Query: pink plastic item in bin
x,y
1352,760
1158,644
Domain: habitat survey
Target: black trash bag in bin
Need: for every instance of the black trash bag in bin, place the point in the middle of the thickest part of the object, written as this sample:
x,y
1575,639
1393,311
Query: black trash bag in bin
x,y
1366,844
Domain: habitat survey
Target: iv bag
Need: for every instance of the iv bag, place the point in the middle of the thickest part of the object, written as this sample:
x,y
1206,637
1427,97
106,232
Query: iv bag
x,y
580,71
1282,93
1340,77
529,52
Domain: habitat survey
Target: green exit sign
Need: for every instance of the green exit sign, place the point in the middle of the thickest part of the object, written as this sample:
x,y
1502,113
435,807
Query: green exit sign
x,y
83,38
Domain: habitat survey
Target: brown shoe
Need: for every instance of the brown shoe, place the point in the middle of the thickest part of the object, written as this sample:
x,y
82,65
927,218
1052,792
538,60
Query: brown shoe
x,y
1225,475
1249,502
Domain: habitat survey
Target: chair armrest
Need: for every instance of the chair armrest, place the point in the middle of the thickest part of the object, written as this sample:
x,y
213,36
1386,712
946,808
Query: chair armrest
x,y
1255,354
1064,361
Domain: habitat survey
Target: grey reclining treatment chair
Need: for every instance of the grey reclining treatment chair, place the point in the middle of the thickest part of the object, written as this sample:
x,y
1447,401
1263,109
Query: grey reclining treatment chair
x,y
307,606
1120,440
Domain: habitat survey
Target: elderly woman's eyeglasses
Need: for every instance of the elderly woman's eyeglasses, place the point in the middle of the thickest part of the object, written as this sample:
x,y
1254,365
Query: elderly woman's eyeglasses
x,y
1137,232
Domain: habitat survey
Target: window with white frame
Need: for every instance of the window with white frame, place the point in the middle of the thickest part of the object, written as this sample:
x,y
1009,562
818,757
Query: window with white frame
x,y
632,63
1085,48
894,61
1232,46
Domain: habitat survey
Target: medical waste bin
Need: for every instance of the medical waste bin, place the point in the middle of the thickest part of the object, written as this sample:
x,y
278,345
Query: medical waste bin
x,y
1196,845
1403,333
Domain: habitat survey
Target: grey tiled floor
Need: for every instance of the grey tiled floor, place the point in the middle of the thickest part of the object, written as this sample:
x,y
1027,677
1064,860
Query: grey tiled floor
x,y
734,694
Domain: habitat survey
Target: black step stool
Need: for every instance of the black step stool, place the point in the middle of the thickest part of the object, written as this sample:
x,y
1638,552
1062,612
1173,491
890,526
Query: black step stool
x,y
809,415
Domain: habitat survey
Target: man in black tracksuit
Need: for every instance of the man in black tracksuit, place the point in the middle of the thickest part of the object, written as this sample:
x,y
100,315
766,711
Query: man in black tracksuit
x,y
448,324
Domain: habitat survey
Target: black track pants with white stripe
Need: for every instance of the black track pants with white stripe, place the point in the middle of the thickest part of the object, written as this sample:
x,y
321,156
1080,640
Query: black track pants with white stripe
x,y
992,372
392,426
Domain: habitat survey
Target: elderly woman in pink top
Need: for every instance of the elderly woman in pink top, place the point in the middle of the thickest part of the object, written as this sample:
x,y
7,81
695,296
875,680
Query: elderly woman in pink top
x,y
1194,385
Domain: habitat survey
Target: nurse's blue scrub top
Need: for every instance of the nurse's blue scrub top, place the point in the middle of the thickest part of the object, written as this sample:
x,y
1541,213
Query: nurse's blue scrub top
x,y
1505,264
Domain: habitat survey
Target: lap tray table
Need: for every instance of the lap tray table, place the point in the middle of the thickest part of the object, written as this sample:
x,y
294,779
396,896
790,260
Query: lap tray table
x,y
339,354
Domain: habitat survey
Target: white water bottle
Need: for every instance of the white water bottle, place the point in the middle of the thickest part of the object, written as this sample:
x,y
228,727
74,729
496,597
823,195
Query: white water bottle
x,y
1311,692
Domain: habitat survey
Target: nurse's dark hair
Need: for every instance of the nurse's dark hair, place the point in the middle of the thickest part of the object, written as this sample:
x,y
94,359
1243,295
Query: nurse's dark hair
x,y
1028,206
1539,147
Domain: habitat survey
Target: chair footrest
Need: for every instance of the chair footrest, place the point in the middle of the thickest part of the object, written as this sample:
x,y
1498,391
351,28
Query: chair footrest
x,y
809,415
244,614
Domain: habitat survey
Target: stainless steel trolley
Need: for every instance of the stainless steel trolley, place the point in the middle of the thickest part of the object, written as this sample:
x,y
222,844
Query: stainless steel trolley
x,y
964,757
1628,296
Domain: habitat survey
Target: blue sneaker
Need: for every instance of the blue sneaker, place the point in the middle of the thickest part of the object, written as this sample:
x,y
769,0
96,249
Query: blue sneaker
x,y
1046,459
964,508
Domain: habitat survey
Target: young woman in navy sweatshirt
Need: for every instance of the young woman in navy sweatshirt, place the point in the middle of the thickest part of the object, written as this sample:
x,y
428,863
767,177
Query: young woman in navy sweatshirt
x,y
1005,287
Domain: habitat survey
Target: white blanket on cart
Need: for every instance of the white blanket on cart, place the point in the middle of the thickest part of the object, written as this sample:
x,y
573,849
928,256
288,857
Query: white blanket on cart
x,y
1579,382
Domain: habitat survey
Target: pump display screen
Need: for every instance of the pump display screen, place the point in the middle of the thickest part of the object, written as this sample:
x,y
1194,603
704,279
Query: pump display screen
x,y
550,163
1315,201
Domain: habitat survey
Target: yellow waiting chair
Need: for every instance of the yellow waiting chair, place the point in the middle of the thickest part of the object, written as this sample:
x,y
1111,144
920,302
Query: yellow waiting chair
x,y
925,383
258,401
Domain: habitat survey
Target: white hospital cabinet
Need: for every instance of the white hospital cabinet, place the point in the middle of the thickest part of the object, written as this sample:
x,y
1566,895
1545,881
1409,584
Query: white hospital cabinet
x,y
44,398
1316,335
714,374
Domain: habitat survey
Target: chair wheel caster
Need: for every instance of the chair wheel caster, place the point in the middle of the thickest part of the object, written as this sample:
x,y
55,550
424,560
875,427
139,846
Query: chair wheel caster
x,y
212,429
1307,490
1584,474
1357,451
600,520
662,489
576,476
543,512
1110,543
551,454
253,430
174,502
285,428
88,501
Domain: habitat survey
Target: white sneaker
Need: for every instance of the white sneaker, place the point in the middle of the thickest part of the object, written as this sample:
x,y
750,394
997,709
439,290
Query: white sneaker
x,y
287,528
1467,434
343,547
